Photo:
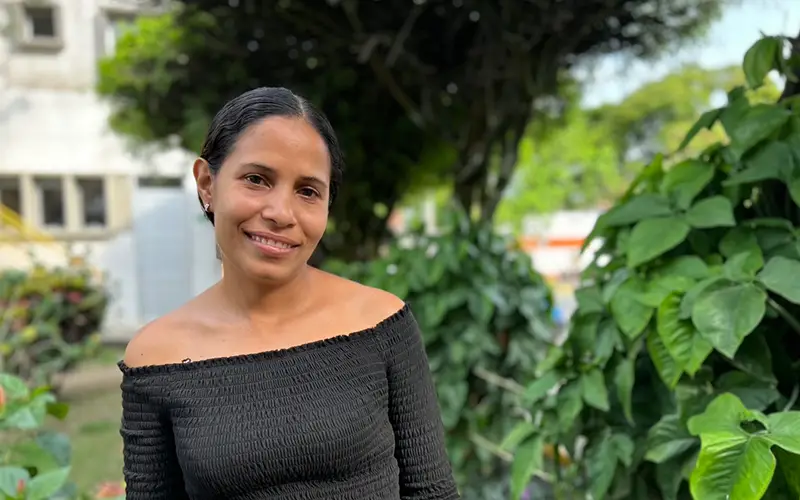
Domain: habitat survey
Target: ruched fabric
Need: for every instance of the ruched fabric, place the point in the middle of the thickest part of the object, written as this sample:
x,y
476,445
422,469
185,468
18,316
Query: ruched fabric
x,y
354,417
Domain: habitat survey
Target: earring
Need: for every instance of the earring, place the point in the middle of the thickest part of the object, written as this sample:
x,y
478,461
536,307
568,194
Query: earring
x,y
206,207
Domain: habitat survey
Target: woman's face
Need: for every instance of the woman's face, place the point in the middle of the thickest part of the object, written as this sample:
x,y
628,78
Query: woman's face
x,y
270,198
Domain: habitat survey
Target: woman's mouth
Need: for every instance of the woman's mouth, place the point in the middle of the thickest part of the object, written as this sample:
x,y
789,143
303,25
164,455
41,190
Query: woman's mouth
x,y
270,246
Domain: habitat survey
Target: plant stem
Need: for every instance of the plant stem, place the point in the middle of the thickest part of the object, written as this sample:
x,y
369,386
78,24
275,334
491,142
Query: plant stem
x,y
785,315
499,381
792,398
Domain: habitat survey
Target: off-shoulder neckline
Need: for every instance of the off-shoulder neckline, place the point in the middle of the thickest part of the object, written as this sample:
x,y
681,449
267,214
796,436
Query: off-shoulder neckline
x,y
236,359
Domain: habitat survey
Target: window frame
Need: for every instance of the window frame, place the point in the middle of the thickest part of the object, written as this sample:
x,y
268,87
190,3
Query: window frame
x,y
25,41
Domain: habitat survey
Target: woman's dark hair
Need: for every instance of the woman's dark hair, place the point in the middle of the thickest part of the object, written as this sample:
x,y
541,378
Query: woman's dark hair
x,y
255,105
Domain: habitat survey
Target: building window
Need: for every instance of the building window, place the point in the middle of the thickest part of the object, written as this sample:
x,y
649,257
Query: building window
x,y
50,192
93,202
40,22
10,196
10,199
37,25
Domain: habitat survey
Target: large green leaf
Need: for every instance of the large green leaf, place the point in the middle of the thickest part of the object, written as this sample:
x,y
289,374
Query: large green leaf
x,y
716,211
628,311
43,486
641,207
755,358
601,463
624,378
773,160
683,342
593,388
782,276
540,387
527,460
743,266
748,125
667,439
754,393
13,386
760,59
651,238
569,405
10,478
706,121
669,371
609,340
736,462
736,468
589,299
725,316
684,181
688,266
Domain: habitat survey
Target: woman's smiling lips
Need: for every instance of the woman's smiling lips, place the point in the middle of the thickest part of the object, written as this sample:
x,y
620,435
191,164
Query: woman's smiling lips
x,y
271,244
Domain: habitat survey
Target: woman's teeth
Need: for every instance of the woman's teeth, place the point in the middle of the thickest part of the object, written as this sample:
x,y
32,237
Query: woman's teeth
x,y
269,242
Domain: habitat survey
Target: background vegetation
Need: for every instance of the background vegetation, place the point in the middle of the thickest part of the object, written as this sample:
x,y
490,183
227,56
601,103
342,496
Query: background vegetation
x,y
679,375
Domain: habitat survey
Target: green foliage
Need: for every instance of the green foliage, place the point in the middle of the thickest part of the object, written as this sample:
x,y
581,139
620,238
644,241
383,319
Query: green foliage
x,y
590,157
655,117
34,463
485,316
48,321
678,378
572,167
418,92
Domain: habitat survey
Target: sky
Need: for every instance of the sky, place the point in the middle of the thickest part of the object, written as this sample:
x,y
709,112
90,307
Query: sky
x,y
724,45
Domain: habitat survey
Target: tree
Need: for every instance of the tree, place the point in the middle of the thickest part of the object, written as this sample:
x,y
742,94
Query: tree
x,y
592,157
399,80
574,167
655,117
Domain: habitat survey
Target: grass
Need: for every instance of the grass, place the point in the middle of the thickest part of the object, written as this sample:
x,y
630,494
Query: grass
x,y
93,422
93,427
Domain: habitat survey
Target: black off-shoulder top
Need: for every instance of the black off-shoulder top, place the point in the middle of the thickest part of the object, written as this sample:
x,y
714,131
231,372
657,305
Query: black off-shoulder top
x,y
351,417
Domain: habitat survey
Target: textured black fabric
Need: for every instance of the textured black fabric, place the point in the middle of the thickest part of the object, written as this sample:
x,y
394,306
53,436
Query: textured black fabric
x,y
352,417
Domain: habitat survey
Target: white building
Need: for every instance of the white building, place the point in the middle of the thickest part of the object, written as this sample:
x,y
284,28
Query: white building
x,y
134,218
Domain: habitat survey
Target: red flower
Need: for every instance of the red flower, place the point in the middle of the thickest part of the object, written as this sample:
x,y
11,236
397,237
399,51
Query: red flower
x,y
110,490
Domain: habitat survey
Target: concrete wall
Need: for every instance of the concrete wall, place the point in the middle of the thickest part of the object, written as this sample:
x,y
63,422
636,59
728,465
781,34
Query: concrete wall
x,y
115,260
53,124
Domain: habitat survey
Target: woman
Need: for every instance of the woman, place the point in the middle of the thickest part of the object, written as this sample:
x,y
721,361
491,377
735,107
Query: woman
x,y
280,381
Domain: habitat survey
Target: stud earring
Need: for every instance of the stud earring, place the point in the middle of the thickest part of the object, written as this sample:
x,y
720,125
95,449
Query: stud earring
x,y
206,207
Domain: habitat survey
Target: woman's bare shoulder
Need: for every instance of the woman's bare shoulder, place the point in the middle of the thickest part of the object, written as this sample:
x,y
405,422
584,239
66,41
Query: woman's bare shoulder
x,y
162,341
370,305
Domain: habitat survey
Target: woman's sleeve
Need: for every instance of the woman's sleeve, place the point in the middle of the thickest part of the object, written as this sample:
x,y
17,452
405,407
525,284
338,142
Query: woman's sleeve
x,y
425,471
151,466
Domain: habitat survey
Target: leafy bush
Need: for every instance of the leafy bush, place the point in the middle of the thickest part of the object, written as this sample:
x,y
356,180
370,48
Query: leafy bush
x,y
484,314
34,463
679,377
48,321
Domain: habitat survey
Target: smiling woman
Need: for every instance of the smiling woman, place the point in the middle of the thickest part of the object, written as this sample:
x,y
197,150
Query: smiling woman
x,y
280,381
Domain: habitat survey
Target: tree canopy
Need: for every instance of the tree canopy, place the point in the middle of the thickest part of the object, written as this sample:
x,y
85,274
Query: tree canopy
x,y
449,87
592,157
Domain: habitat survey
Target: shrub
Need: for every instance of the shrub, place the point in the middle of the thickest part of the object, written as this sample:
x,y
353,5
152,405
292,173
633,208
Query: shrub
x,y
34,463
679,375
48,321
485,316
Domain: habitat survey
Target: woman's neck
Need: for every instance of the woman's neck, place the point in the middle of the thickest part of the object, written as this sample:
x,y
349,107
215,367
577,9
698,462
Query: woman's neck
x,y
254,300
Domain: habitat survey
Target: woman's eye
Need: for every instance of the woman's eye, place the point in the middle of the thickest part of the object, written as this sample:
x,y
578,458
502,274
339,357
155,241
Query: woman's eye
x,y
254,179
309,192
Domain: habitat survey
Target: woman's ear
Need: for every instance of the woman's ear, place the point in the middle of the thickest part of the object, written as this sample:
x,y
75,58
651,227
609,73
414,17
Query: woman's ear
x,y
204,180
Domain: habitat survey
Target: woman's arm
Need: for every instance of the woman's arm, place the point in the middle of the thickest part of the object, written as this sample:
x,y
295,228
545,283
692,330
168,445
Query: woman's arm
x,y
151,466
425,471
